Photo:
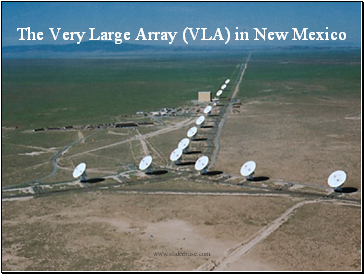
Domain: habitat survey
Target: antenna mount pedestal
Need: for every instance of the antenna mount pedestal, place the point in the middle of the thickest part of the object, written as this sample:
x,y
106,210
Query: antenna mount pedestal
x,y
250,177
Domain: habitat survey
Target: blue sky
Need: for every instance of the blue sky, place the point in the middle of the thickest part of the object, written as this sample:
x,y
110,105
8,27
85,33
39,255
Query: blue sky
x,y
176,16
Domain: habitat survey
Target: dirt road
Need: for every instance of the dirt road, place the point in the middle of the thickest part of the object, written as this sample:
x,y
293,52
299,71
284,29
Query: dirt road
x,y
235,254
148,135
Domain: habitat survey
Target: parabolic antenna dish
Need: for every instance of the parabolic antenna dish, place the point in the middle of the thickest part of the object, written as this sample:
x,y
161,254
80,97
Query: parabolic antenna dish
x,y
176,154
227,81
337,178
191,132
200,120
218,93
207,109
223,86
201,163
184,143
145,162
79,170
248,168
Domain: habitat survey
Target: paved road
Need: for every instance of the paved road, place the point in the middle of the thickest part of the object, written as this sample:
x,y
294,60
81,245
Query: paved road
x,y
225,115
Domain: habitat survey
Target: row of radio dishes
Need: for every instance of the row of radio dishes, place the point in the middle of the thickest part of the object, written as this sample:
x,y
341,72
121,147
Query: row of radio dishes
x,y
223,87
184,143
335,180
227,81
199,122
182,148
247,169
202,162
201,119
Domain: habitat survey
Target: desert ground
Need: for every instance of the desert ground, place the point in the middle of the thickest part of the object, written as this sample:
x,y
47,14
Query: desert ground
x,y
297,131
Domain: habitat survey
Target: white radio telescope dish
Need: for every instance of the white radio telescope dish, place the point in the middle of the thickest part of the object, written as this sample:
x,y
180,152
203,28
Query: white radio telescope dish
x,y
207,109
337,179
218,93
191,132
80,170
223,86
202,163
227,81
200,120
184,143
176,155
248,169
145,163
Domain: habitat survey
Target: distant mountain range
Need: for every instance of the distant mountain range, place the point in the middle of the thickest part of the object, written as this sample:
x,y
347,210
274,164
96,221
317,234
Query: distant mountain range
x,y
88,46
71,49
92,48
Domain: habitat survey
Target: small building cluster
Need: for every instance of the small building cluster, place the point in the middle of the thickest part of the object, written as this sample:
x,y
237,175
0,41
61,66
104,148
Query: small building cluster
x,y
165,112
98,126
203,96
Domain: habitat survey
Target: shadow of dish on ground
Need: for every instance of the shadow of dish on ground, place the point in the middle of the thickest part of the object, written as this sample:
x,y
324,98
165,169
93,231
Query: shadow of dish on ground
x,y
346,190
193,152
187,163
156,172
258,179
93,180
212,173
